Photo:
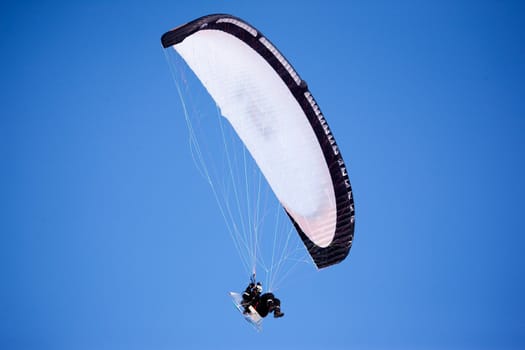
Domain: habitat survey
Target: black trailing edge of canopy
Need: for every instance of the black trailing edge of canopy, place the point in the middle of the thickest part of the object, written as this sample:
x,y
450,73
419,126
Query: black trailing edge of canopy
x,y
340,246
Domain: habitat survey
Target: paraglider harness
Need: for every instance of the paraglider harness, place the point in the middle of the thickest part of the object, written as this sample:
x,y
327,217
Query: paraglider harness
x,y
251,295
263,304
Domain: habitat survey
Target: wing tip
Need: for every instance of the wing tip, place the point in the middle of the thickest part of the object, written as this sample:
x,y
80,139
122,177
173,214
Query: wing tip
x,y
178,34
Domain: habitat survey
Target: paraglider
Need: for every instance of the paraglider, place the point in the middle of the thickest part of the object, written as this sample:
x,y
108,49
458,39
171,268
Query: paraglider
x,y
278,121
262,303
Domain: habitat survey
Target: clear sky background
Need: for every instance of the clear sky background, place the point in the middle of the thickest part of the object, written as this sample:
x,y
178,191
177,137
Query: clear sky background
x,y
109,240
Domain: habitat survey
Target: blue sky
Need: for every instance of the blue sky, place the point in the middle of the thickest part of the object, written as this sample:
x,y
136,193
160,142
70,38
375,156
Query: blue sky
x,y
110,240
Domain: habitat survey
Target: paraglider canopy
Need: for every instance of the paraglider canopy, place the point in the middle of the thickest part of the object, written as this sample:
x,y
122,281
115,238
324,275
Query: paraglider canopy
x,y
276,117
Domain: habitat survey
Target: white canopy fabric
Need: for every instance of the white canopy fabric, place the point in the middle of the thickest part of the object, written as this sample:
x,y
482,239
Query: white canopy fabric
x,y
279,122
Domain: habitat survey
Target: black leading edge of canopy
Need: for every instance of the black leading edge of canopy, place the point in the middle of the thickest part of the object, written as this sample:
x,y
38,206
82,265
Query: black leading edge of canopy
x,y
178,34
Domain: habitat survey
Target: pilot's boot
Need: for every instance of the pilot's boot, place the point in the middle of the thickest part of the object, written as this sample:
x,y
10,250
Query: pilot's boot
x,y
277,312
